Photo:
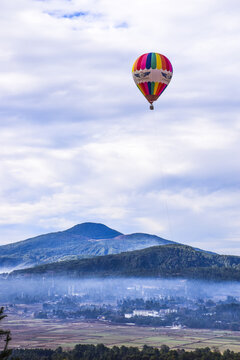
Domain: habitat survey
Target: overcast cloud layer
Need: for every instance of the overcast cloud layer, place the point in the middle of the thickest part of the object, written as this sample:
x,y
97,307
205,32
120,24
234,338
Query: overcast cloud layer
x,y
78,142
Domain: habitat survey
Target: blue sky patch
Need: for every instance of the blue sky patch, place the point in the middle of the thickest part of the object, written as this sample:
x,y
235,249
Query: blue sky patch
x,y
75,14
122,25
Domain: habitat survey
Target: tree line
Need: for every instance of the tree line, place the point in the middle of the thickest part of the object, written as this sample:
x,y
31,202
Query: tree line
x,y
102,352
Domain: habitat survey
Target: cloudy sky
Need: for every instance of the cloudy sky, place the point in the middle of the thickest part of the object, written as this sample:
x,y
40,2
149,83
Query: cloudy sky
x,y
78,142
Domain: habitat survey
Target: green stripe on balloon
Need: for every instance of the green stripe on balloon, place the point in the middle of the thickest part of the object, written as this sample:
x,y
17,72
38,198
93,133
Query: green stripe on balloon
x,y
152,87
153,61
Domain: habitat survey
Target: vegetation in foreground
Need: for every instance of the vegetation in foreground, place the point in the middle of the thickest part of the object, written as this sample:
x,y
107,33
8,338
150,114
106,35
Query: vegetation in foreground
x,y
6,337
101,352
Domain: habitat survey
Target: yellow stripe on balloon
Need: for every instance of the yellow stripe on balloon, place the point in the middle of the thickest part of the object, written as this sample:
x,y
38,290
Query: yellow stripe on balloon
x,y
159,61
133,66
155,88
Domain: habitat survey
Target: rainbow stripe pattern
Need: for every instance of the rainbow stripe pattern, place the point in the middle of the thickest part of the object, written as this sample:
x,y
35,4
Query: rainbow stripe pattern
x,y
152,72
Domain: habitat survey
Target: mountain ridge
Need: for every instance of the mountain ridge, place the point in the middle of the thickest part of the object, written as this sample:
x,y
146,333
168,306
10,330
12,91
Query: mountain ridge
x,y
166,261
80,241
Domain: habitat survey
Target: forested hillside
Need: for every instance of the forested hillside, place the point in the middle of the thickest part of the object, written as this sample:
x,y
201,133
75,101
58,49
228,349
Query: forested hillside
x,y
170,261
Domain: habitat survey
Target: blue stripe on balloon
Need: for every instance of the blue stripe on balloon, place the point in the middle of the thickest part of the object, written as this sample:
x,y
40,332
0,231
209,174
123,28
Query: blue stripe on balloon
x,y
148,62
149,87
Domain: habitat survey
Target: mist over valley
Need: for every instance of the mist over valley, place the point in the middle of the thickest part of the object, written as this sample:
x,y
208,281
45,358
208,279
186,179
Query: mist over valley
x,y
141,301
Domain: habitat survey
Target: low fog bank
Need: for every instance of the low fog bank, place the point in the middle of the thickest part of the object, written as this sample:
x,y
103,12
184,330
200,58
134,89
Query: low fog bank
x,y
108,290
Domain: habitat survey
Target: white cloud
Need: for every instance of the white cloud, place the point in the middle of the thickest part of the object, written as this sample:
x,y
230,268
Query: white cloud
x,y
78,142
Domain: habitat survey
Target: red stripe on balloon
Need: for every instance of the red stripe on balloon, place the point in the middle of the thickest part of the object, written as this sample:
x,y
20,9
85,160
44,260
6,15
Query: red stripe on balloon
x,y
170,66
163,87
142,88
159,89
138,62
167,64
143,62
164,67
146,90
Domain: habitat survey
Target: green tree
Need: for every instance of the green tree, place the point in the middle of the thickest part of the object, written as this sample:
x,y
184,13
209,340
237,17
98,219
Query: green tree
x,y
5,334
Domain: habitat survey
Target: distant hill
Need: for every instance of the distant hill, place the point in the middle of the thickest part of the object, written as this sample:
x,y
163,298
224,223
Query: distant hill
x,y
167,261
81,241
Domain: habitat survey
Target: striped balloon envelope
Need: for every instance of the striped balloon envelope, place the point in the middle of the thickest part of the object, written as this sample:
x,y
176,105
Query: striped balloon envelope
x,y
152,72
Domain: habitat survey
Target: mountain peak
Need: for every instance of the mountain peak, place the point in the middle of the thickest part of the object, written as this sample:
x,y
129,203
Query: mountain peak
x,y
93,231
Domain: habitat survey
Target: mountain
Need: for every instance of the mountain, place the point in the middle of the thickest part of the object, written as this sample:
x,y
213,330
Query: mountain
x,y
168,261
93,231
80,241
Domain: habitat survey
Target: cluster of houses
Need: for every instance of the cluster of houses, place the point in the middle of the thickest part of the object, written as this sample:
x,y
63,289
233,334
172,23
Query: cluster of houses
x,y
153,313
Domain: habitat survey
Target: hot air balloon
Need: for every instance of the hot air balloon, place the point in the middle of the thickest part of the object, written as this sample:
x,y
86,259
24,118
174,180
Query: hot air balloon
x,y
152,72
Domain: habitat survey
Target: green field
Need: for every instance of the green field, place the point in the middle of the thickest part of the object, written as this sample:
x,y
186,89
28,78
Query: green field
x,y
36,333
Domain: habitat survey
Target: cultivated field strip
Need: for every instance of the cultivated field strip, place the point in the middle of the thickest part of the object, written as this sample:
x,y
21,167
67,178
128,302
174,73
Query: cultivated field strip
x,y
41,333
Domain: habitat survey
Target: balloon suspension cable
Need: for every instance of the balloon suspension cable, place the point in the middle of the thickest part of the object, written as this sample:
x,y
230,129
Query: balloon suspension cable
x,y
151,107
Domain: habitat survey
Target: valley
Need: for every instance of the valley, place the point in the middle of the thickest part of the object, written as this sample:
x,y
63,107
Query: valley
x,y
135,290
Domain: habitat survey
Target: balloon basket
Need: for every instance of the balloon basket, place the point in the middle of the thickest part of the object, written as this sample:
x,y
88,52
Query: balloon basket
x,y
151,107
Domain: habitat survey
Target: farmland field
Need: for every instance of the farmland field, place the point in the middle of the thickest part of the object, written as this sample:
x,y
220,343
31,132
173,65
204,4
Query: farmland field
x,y
41,333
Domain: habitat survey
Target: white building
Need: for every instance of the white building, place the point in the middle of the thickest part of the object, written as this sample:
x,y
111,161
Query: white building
x,y
152,313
